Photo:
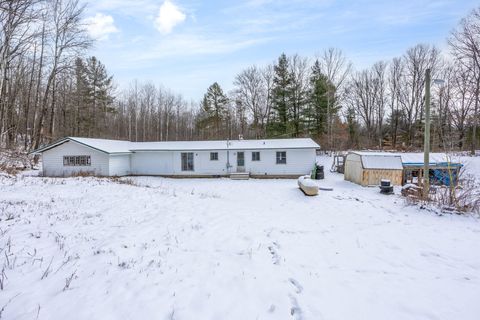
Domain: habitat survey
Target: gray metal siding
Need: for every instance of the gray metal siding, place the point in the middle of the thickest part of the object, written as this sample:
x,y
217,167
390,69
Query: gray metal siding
x,y
52,160
152,163
299,162
119,165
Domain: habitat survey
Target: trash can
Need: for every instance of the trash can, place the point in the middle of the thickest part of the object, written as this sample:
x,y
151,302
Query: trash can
x,y
385,186
319,173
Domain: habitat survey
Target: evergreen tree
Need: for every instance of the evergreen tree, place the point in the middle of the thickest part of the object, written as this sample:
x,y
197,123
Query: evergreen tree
x,y
299,93
214,110
352,126
100,99
281,98
203,121
81,93
93,98
395,121
315,114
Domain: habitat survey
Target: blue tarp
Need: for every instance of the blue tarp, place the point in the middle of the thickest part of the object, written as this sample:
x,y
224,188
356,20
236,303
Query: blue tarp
x,y
440,176
432,164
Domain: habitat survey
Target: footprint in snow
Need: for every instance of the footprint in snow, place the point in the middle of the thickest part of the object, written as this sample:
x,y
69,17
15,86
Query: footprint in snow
x,y
295,310
296,284
275,256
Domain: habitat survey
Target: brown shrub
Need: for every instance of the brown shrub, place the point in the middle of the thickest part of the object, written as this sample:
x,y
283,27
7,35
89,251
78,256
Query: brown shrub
x,y
10,170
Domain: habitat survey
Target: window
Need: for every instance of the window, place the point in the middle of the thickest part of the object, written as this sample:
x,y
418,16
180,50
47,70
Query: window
x,y
187,161
256,156
213,156
76,161
281,157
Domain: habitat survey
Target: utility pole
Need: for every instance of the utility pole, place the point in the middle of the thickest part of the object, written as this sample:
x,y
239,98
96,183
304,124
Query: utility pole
x,y
426,143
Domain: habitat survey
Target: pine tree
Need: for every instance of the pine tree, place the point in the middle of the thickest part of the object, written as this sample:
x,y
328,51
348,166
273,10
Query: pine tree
x,y
81,94
352,127
93,98
214,110
281,98
316,113
100,88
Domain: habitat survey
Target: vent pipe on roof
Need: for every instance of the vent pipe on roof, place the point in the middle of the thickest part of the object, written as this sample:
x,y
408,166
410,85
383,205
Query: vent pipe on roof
x,y
240,137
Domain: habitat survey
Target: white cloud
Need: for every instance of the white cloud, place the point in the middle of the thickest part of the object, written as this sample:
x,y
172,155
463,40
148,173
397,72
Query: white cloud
x,y
168,17
101,26
194,45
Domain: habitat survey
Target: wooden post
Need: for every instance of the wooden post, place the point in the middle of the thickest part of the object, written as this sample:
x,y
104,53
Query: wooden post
x,y
426,143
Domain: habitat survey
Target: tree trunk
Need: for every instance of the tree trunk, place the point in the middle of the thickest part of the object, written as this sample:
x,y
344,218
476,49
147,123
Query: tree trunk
x,y
475,116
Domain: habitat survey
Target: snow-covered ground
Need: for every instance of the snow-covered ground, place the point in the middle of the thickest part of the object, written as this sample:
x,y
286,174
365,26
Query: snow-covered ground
x,y
87,248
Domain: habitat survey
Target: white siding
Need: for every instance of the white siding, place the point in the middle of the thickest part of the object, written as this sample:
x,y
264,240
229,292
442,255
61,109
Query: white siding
x,y
202,163
299,162
52,160
170,163
152,163
119,165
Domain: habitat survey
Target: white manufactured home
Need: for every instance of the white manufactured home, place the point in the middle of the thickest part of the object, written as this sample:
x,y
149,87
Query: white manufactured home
x,y
257,158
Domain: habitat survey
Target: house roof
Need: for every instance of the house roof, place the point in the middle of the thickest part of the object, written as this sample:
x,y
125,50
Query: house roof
x,y
301,143
119,146
104,145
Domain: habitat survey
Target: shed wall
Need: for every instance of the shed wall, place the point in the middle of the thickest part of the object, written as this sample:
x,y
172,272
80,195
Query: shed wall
x,y
52,160
372,177
353,168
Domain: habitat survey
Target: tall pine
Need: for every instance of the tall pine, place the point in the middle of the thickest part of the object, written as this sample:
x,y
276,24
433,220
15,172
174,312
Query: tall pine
x,y
281,98
100,89
80,100
315,114
352,126
213,114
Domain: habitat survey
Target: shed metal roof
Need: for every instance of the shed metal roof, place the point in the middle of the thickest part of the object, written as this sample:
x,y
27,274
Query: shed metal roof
x,y
385,162
384,159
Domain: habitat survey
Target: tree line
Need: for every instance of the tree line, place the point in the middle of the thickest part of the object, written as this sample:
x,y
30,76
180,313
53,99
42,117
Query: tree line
x,y
50,88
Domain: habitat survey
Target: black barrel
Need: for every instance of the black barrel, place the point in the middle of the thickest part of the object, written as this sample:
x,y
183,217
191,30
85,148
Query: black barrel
x,y
385,183
320,174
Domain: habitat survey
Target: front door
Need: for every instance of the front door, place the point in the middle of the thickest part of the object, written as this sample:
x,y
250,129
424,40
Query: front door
x,y
240,161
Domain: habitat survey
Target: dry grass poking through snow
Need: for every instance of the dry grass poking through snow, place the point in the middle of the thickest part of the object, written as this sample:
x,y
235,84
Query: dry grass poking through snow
x,y
153,248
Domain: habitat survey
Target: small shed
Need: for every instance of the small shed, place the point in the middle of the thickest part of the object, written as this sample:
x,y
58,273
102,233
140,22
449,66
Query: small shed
x,y
368,168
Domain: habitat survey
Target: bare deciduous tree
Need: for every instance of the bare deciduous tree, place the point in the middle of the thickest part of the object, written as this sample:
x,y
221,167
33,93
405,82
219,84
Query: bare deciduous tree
x,y
337,68
67,37
465,45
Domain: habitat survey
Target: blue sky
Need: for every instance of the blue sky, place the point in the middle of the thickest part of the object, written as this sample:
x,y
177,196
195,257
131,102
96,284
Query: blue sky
x,y
186,45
